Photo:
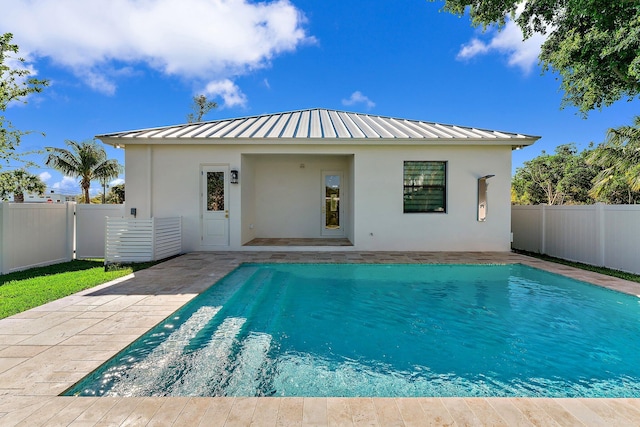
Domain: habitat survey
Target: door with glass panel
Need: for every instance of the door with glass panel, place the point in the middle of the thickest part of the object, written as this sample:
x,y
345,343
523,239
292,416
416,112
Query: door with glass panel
x,y
332,206
215,205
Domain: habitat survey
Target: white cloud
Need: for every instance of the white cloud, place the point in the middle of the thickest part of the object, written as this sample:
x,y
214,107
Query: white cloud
x,y
358,98
195,39
228,91
473,48
68,186
116,181
520,53
45,176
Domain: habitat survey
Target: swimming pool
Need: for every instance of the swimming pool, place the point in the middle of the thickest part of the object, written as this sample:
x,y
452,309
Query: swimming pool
x,y
386,330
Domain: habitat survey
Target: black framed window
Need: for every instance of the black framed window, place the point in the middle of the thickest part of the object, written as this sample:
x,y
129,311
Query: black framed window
x,y
425,186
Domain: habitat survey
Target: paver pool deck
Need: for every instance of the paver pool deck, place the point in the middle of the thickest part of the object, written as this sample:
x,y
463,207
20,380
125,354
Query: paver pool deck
x,y
46,350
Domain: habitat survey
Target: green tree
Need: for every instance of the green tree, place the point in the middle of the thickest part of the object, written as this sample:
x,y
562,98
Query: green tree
x,y
593,44
619,161
98,199
116,194
578,177
86,160
554,179
201,107
18,182
15,86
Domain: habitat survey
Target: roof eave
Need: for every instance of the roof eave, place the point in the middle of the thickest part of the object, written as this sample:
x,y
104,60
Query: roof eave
x,y
515,143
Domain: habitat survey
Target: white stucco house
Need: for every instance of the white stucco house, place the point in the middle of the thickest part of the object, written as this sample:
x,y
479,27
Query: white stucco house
x,y
362,181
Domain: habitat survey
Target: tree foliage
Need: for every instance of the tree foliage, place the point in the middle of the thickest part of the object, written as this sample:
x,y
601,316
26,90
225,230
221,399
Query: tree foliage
x,y
86,160
18,182
594,45
15,86
201,107
554,179
619,161
116,194
608,173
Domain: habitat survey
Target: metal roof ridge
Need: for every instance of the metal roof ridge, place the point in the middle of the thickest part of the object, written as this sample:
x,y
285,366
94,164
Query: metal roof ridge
x,y
376,123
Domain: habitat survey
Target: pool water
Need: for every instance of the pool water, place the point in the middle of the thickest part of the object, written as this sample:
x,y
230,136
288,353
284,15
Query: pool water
x,y
386,330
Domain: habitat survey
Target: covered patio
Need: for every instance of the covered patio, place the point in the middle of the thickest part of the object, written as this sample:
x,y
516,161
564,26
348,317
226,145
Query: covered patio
x,y
293,199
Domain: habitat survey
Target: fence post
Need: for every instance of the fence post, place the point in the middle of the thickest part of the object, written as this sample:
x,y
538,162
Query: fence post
x,y
106,241
600,233
71,230
4,208
543,229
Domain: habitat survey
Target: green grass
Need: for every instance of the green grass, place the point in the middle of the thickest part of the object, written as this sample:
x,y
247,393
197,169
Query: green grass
x,y
602,270
23,290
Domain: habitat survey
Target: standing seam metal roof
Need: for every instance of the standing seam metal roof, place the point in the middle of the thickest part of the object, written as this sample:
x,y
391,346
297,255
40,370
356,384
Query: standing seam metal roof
x,y
320,124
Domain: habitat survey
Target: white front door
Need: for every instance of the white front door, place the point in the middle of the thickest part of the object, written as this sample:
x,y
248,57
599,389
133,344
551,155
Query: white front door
x,y
332,208
215,205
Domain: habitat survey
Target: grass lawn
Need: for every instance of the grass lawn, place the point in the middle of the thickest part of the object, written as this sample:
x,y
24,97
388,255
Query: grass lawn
x,y
23,290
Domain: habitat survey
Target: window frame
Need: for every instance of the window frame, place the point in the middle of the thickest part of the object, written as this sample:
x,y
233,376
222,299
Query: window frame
x,y
442,186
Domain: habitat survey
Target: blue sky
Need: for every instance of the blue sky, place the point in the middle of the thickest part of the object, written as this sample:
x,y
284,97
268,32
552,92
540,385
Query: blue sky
x,y
127,64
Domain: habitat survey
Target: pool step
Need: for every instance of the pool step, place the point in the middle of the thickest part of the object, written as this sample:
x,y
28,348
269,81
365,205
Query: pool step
x,y
145,375
231,361
252,357
232,356
207,366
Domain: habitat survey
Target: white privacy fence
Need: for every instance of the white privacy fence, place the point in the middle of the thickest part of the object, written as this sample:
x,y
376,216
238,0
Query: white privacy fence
x,y
36,234
602,235
32,235
139,240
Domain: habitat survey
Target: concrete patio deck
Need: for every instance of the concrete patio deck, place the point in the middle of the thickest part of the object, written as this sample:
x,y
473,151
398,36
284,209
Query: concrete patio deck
x,y
45,350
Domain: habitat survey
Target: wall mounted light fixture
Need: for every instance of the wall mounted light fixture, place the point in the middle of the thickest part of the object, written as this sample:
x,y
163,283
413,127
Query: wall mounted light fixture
x,y
234,176
482,197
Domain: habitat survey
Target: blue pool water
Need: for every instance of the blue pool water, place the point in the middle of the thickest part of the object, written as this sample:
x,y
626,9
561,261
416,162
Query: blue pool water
x,y
386,330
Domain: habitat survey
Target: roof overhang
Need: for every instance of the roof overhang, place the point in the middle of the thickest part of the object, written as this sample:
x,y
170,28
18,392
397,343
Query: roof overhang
x,y
316,127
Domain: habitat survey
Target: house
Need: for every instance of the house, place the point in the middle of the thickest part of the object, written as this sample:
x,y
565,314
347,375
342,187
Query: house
x,y
50,196
358,181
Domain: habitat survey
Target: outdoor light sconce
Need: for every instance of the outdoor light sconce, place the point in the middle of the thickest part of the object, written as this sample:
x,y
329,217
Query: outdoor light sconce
x,y
482,197
234,176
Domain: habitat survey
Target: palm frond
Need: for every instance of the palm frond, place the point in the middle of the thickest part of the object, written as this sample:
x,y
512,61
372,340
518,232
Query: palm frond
x,y
86,160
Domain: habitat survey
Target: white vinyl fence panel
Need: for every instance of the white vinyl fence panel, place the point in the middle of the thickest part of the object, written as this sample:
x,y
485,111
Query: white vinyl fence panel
x,y
571,232
34,235
140,240
602,235
90,226
621,240
526,227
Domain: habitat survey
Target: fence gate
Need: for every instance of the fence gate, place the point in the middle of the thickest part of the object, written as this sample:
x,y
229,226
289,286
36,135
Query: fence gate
x,y
90,223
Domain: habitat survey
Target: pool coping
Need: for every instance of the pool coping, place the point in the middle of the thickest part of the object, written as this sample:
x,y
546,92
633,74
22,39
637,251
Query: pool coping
x,y
45,350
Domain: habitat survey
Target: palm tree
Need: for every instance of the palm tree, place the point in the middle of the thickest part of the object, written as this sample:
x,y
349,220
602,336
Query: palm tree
x,y
19,182
619,158
86,160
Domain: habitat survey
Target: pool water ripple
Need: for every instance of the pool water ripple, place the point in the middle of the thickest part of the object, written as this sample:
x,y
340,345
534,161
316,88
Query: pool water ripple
x,y
387,330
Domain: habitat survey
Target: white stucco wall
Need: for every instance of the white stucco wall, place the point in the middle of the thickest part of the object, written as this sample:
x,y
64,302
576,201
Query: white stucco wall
x,y
382,225
281,199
